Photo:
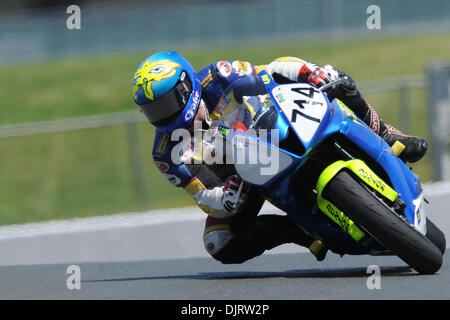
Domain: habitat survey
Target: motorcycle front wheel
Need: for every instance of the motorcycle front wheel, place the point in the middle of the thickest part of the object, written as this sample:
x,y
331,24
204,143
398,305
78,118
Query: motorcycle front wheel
x,y
436,236
369,212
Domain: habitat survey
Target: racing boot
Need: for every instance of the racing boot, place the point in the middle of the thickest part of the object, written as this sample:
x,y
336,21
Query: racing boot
x,y
415,147
347,92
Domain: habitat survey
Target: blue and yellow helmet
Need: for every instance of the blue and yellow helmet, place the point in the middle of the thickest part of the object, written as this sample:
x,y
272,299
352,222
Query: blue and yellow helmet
x,y
167,90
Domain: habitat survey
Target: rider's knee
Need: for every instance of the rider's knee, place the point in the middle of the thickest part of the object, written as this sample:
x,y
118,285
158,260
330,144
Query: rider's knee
x,y
215,241
221,246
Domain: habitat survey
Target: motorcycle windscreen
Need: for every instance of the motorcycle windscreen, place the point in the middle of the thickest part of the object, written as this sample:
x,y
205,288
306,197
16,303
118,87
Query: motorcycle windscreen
x,y
256,161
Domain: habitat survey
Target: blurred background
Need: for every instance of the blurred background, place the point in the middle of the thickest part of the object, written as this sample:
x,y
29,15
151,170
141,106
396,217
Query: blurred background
x,y
73,143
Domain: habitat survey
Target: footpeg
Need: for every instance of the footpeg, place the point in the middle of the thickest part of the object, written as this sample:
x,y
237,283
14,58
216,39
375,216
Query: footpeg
x,y
398,148
318,249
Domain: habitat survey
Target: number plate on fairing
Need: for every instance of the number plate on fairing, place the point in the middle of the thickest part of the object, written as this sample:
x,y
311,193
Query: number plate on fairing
x,y
303,105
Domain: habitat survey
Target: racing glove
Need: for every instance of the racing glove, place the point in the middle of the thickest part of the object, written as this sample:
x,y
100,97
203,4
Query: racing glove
x,y
348,93
348,88
313,74
331,73
316,75
233,195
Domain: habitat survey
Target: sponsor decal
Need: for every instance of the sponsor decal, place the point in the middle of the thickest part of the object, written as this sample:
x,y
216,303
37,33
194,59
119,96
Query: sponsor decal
x,y
173,179
224,68
342,220
280,98
348,112
265,79
224,131
206,80
162,166
377,182
196,98
417,208
242,68
374,120
193,108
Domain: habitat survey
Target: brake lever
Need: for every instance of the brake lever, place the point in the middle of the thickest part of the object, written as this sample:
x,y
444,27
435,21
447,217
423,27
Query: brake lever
x,y
239,193
334,83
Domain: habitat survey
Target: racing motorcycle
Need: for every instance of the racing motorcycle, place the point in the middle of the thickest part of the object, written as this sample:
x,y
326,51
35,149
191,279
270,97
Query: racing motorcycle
x,y
336,178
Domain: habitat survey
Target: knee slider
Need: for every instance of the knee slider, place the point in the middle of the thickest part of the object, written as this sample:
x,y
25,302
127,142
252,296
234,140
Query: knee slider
x,y
216,240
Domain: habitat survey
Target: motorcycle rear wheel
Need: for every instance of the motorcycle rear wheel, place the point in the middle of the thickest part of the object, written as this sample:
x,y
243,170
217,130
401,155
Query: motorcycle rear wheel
x,y
369,212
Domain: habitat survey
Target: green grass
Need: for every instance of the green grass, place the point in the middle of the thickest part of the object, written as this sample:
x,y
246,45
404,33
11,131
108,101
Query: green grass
x,y
80,87
88,172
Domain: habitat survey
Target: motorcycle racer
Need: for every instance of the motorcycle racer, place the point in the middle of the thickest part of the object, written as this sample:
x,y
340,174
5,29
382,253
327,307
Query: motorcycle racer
x,y
173,96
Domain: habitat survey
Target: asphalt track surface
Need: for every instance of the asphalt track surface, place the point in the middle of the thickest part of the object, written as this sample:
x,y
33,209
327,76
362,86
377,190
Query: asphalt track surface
x,y
270,276
131,256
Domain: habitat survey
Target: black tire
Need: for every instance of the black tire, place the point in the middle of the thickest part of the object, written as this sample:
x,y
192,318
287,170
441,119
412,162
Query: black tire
x,y
436,236
377,219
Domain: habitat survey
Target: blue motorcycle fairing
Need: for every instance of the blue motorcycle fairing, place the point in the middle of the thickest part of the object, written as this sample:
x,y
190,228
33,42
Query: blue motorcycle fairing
x,y
277,190
337,120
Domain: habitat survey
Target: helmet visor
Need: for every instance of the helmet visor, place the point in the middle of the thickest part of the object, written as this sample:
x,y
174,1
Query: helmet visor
x,y
168,107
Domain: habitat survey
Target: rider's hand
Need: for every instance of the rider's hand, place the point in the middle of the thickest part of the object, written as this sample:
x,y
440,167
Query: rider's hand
x,y
348,87
233,195
313,74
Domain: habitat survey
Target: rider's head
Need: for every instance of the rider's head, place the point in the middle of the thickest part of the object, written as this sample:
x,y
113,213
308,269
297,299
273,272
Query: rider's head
x,y
167,90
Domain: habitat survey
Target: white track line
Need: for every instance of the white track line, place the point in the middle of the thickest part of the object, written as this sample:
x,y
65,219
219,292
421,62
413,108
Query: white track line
x,y
437,188
121,220
133,219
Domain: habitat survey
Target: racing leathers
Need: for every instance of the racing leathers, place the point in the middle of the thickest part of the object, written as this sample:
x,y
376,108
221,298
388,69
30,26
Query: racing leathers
x,y
232,95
